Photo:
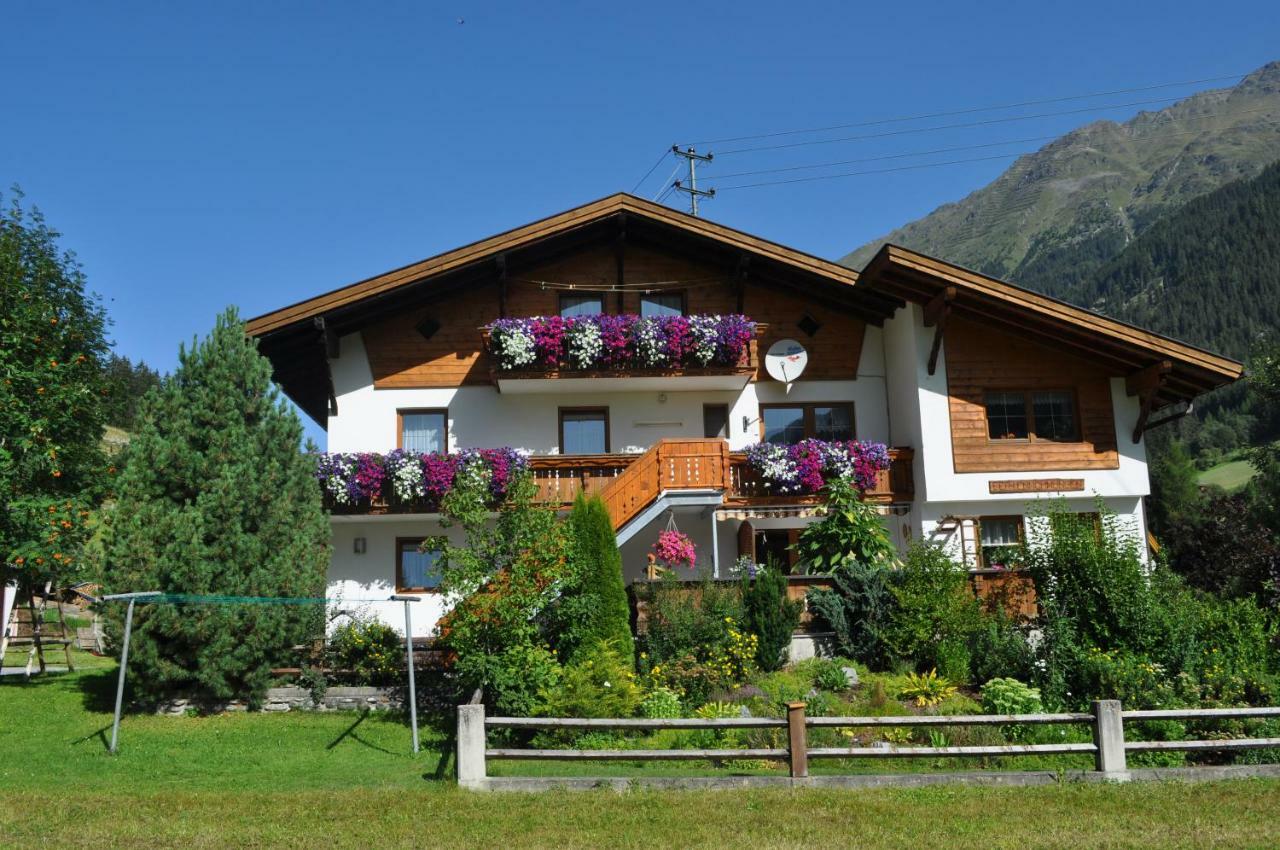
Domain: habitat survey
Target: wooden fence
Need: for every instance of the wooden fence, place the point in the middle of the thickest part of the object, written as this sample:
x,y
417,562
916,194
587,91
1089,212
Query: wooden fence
x,y
1108,747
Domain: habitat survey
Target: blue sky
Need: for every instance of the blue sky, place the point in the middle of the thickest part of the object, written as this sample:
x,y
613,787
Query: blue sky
x,y
255,154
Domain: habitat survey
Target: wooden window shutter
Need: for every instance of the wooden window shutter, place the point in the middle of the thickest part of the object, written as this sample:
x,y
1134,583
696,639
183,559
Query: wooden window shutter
x,y
746,541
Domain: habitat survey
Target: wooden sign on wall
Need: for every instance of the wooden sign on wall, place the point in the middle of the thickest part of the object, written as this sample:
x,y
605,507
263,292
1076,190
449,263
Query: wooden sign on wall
x,y
1037,485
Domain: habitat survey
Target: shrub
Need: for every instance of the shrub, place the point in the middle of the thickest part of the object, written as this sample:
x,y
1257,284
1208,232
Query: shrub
x,y
829,676
851,532
858,611
935,614
769,615
371,651
599,683
520,676
926,689
601,611
1009,696
999,648
660,703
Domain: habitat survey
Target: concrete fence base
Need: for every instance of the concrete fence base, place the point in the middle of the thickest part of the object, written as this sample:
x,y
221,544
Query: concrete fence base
x,y
1012,779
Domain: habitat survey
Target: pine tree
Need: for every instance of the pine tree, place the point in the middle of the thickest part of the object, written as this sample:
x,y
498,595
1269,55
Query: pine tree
x,y
217,500
602,596
769,615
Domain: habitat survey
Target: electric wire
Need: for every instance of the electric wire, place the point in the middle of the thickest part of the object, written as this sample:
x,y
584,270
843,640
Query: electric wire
x,y
957,148
957,126
652,168
966,111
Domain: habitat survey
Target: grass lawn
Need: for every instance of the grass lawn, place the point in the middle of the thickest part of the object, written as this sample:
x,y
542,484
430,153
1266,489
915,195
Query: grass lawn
x,y
1230,476
346,779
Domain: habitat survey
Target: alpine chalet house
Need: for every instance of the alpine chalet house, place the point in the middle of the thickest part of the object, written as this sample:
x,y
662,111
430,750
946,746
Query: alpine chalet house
x,y
668,346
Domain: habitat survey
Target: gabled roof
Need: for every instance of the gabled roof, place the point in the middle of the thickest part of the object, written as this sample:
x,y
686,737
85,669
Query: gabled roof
x,y
559,225
1127,349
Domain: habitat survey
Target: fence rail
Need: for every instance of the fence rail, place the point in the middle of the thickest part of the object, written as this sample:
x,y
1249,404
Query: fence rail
x,y
1106,721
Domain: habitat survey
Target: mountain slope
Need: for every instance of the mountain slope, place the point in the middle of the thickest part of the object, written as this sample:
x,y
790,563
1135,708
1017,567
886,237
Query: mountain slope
x,y
1208,273
1057,215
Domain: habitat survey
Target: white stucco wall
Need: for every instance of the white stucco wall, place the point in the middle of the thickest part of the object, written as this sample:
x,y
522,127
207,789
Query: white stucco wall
x,y
357,578
480,416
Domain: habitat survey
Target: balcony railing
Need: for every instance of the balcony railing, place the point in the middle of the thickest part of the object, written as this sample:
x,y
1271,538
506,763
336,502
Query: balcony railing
x,y
672,464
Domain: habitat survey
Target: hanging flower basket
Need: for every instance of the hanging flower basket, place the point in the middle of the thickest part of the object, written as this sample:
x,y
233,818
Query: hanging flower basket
x,y
674,549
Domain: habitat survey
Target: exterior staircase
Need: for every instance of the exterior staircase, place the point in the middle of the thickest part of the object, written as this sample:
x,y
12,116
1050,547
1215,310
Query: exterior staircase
x,y
669,466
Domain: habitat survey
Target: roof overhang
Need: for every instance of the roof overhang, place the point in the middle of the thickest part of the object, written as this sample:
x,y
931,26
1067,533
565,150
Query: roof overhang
x,y
1162,370
299,338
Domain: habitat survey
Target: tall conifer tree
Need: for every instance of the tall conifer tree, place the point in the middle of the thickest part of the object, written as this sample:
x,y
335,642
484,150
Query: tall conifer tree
x,y
218,499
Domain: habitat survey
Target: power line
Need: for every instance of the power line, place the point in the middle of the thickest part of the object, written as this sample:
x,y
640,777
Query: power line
x,y
922,165
954,149
665,153
967,111
667,185
958,126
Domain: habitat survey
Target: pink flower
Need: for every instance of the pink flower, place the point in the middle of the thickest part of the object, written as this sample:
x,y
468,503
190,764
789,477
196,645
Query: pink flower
x,y
675,549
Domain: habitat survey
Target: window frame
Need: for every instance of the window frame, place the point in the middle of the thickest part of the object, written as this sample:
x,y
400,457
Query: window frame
x,y
401,542
1029,411
980,557
561,411
684,299
583,293
401,412
809,408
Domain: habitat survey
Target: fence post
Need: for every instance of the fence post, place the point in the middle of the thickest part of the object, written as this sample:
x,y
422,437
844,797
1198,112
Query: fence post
x,y
1108,736
797,740
471,745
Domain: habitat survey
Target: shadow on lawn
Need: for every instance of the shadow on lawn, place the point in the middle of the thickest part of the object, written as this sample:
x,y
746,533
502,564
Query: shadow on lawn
x,y
350,732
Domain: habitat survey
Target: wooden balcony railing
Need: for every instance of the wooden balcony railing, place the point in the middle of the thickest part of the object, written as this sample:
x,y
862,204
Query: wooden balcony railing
x,y
895,484
628,483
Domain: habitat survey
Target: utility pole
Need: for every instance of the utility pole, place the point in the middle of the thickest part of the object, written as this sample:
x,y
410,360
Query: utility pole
x,y
692,189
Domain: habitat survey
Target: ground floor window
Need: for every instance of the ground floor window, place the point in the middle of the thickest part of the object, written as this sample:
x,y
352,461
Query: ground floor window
x,y
417,571
998,540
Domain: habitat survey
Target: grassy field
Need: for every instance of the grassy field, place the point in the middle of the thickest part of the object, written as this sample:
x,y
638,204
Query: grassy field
x,y
1230,476
339,780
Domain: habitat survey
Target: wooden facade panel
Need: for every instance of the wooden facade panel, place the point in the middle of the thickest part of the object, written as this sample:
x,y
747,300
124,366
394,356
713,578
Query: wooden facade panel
x,y
401,358
979,360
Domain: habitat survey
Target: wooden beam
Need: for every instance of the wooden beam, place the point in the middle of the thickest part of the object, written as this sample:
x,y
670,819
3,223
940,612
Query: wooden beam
x,y
740,273
1145,384
328,337
936,313
620,260
501,262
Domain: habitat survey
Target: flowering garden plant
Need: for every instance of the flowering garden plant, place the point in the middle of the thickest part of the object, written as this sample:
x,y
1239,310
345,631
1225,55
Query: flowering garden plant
x,y
809,465
583,343
675,549
353,478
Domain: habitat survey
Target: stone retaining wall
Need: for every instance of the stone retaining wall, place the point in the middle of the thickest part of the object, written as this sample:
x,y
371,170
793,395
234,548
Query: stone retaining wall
x,y
297,699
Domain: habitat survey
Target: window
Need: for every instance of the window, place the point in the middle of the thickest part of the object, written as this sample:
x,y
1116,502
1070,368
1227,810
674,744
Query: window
x,y
1025,415
997,537
1076,523
584,430
584,304
416,571
662,304
788,424
422,430
715,421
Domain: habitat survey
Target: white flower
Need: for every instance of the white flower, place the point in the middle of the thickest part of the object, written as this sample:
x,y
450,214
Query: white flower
x,y
585,345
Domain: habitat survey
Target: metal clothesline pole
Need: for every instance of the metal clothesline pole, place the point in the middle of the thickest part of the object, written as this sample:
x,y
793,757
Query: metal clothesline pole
x,y
408,654
124,657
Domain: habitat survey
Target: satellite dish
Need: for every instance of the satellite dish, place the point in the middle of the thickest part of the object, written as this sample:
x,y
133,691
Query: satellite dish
x,y
785,360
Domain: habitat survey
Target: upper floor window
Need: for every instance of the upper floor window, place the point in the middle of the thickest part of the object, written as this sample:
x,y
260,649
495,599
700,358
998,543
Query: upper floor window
x,y
581,304
1032,415
417,571
422,430
715,421
788,424
584,430
656,304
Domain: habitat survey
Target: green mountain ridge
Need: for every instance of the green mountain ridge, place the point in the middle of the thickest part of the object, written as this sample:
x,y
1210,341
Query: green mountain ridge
x,y
1056,216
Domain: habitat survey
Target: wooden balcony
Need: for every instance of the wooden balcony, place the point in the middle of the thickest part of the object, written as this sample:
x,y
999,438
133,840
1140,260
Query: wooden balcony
x,y
546,381
628,483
